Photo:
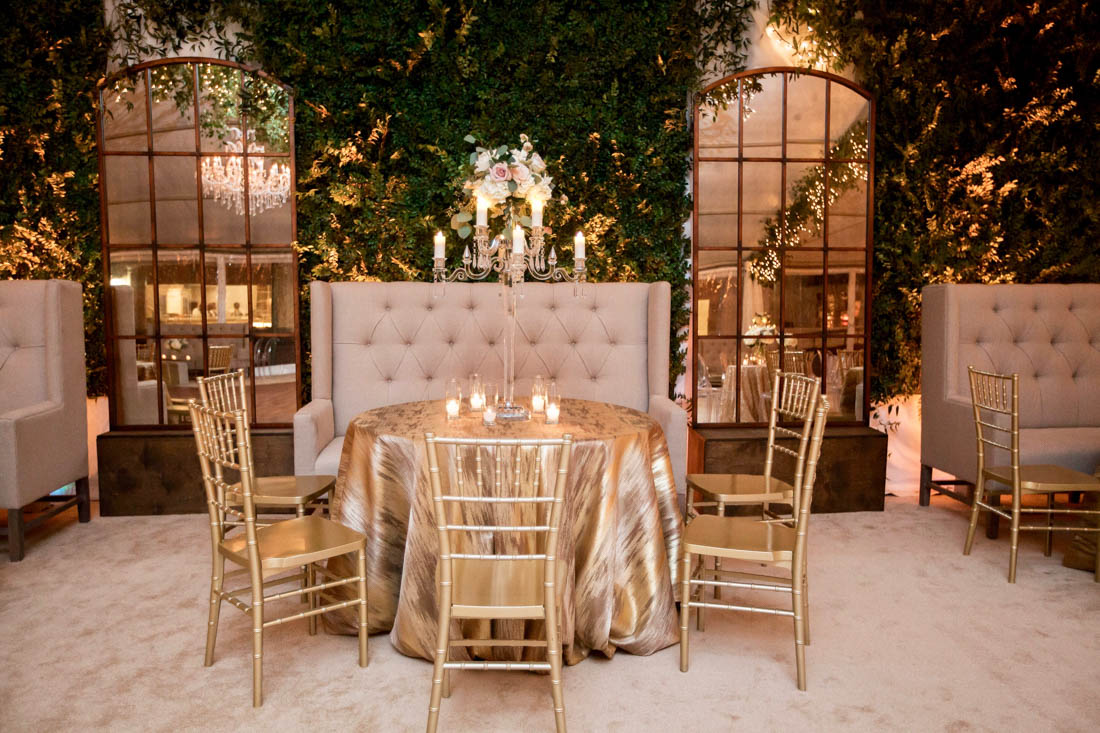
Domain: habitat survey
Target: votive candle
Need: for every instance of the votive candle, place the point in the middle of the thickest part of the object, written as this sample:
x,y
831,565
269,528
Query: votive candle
x,y
452,409
489,416
537,403
552,413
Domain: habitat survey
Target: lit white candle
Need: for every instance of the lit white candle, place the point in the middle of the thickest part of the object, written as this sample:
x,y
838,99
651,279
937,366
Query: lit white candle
x,y
518,240
578,246
452,409
537,403
490,415
482,211
476,401
439,242
536,212
552,412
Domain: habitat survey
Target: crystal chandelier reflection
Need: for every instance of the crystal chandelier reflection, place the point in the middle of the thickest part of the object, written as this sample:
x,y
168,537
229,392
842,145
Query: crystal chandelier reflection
x,y
222,176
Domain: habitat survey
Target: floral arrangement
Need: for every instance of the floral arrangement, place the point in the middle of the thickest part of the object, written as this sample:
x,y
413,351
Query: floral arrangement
x,y
502,177
761,326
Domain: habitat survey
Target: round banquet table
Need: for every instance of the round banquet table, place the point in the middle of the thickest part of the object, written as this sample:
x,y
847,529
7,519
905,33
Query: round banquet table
x,y
619,540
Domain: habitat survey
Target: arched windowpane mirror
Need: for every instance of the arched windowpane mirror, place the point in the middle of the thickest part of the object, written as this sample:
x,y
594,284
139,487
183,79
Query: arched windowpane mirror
x,y
197,189
782,241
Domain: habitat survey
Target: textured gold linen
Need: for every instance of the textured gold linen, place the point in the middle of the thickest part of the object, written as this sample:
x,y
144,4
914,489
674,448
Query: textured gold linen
x,y
619,541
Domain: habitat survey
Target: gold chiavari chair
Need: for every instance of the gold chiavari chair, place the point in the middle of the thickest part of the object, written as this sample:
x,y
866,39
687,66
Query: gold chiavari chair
x,y
219,358
798,397
227,392
266,554
773,543
498,542
999,394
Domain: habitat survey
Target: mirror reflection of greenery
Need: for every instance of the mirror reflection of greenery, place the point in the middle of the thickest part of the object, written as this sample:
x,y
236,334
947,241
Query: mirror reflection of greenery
x,y
805,213
723,96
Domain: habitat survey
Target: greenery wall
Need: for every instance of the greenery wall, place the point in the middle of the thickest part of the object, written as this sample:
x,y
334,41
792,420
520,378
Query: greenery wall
x,y
50,60
986,150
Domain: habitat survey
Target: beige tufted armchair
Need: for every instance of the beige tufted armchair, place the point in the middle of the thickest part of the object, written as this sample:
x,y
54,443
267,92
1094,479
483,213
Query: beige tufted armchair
x,y
43,409
377,344
1048,334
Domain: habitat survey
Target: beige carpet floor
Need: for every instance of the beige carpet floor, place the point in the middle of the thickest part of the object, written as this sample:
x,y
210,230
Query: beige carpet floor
x,y
102,629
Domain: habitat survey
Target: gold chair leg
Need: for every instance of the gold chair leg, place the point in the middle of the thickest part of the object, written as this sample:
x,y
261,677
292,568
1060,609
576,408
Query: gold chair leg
x,y
975,510
799,644
718,560
311,598
257,653
1015,537
364,658
442,643
1050,522
805,605
300,511
447,684
685,607
553,653
700,612
218,573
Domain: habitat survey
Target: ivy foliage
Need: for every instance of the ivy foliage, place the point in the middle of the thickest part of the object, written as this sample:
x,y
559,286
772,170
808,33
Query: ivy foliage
x,y
987,138
49,200
386,92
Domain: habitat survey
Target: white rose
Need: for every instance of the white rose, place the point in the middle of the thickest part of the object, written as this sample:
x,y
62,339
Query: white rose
x,y
524,186
520,173
543,189
495,191
519,156
483,162
537,165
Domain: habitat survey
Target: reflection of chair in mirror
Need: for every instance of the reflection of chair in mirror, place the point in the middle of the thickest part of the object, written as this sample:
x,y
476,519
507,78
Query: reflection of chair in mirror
x,y
777,543
219,359
794,361
227,393
849,376
996,400
269,556
498,545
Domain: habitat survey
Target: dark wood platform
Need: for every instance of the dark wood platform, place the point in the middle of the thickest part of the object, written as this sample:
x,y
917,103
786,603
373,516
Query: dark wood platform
x,y
851,472
155,472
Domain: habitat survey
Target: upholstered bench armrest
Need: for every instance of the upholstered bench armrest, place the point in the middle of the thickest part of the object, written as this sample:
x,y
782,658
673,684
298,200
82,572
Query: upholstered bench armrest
x,y
314,428
948,441
27,438
673,420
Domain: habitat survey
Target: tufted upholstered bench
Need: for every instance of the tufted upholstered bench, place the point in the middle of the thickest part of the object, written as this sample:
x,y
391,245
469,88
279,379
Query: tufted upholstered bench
x,y
376,344
1048,334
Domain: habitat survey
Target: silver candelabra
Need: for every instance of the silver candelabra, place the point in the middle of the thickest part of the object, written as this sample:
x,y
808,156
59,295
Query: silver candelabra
x,y
512,264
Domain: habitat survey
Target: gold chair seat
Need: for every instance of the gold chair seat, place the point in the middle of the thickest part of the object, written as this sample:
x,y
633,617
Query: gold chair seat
x,y
742,538
295,542
284,490
740,488
1044,478
498,589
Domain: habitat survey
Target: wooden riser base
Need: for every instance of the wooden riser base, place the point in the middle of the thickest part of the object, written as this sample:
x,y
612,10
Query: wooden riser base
x,y
851,472
158,472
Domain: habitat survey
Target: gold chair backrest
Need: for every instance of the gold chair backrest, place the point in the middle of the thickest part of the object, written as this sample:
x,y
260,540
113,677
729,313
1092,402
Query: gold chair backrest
x,y
994,394
795,398
224,392
794,361
804,492
484,517
771,357
849,359
223,444
218,358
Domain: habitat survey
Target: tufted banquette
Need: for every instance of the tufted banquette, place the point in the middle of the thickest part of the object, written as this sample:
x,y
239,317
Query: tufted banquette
x,y
377,344
1048,334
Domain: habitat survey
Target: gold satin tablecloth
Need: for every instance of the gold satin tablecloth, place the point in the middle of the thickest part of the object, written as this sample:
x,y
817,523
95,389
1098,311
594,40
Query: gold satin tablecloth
x,y
619,540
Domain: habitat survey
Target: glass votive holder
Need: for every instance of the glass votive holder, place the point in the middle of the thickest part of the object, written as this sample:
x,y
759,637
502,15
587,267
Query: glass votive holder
x,y
538,395
453,400
553,404
477,393
492,403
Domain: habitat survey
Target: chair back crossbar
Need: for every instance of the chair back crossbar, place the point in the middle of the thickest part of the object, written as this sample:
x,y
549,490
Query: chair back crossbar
x,y
498,509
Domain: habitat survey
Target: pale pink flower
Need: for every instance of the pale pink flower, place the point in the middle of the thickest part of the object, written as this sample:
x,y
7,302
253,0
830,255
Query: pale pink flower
x,y
520,173
500,172
537,164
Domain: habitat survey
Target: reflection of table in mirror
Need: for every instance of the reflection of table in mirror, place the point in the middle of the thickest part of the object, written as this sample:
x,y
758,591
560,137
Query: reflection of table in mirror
x,y
716,405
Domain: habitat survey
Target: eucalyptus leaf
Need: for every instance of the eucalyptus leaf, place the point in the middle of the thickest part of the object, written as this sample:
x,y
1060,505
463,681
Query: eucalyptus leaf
x,y
464,231
473,158
470,139
464,216
456,223
512,186
525,221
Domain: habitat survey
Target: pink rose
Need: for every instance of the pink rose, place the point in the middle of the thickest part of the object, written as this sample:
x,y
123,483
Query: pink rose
x,y
520,173
500,172
537,165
